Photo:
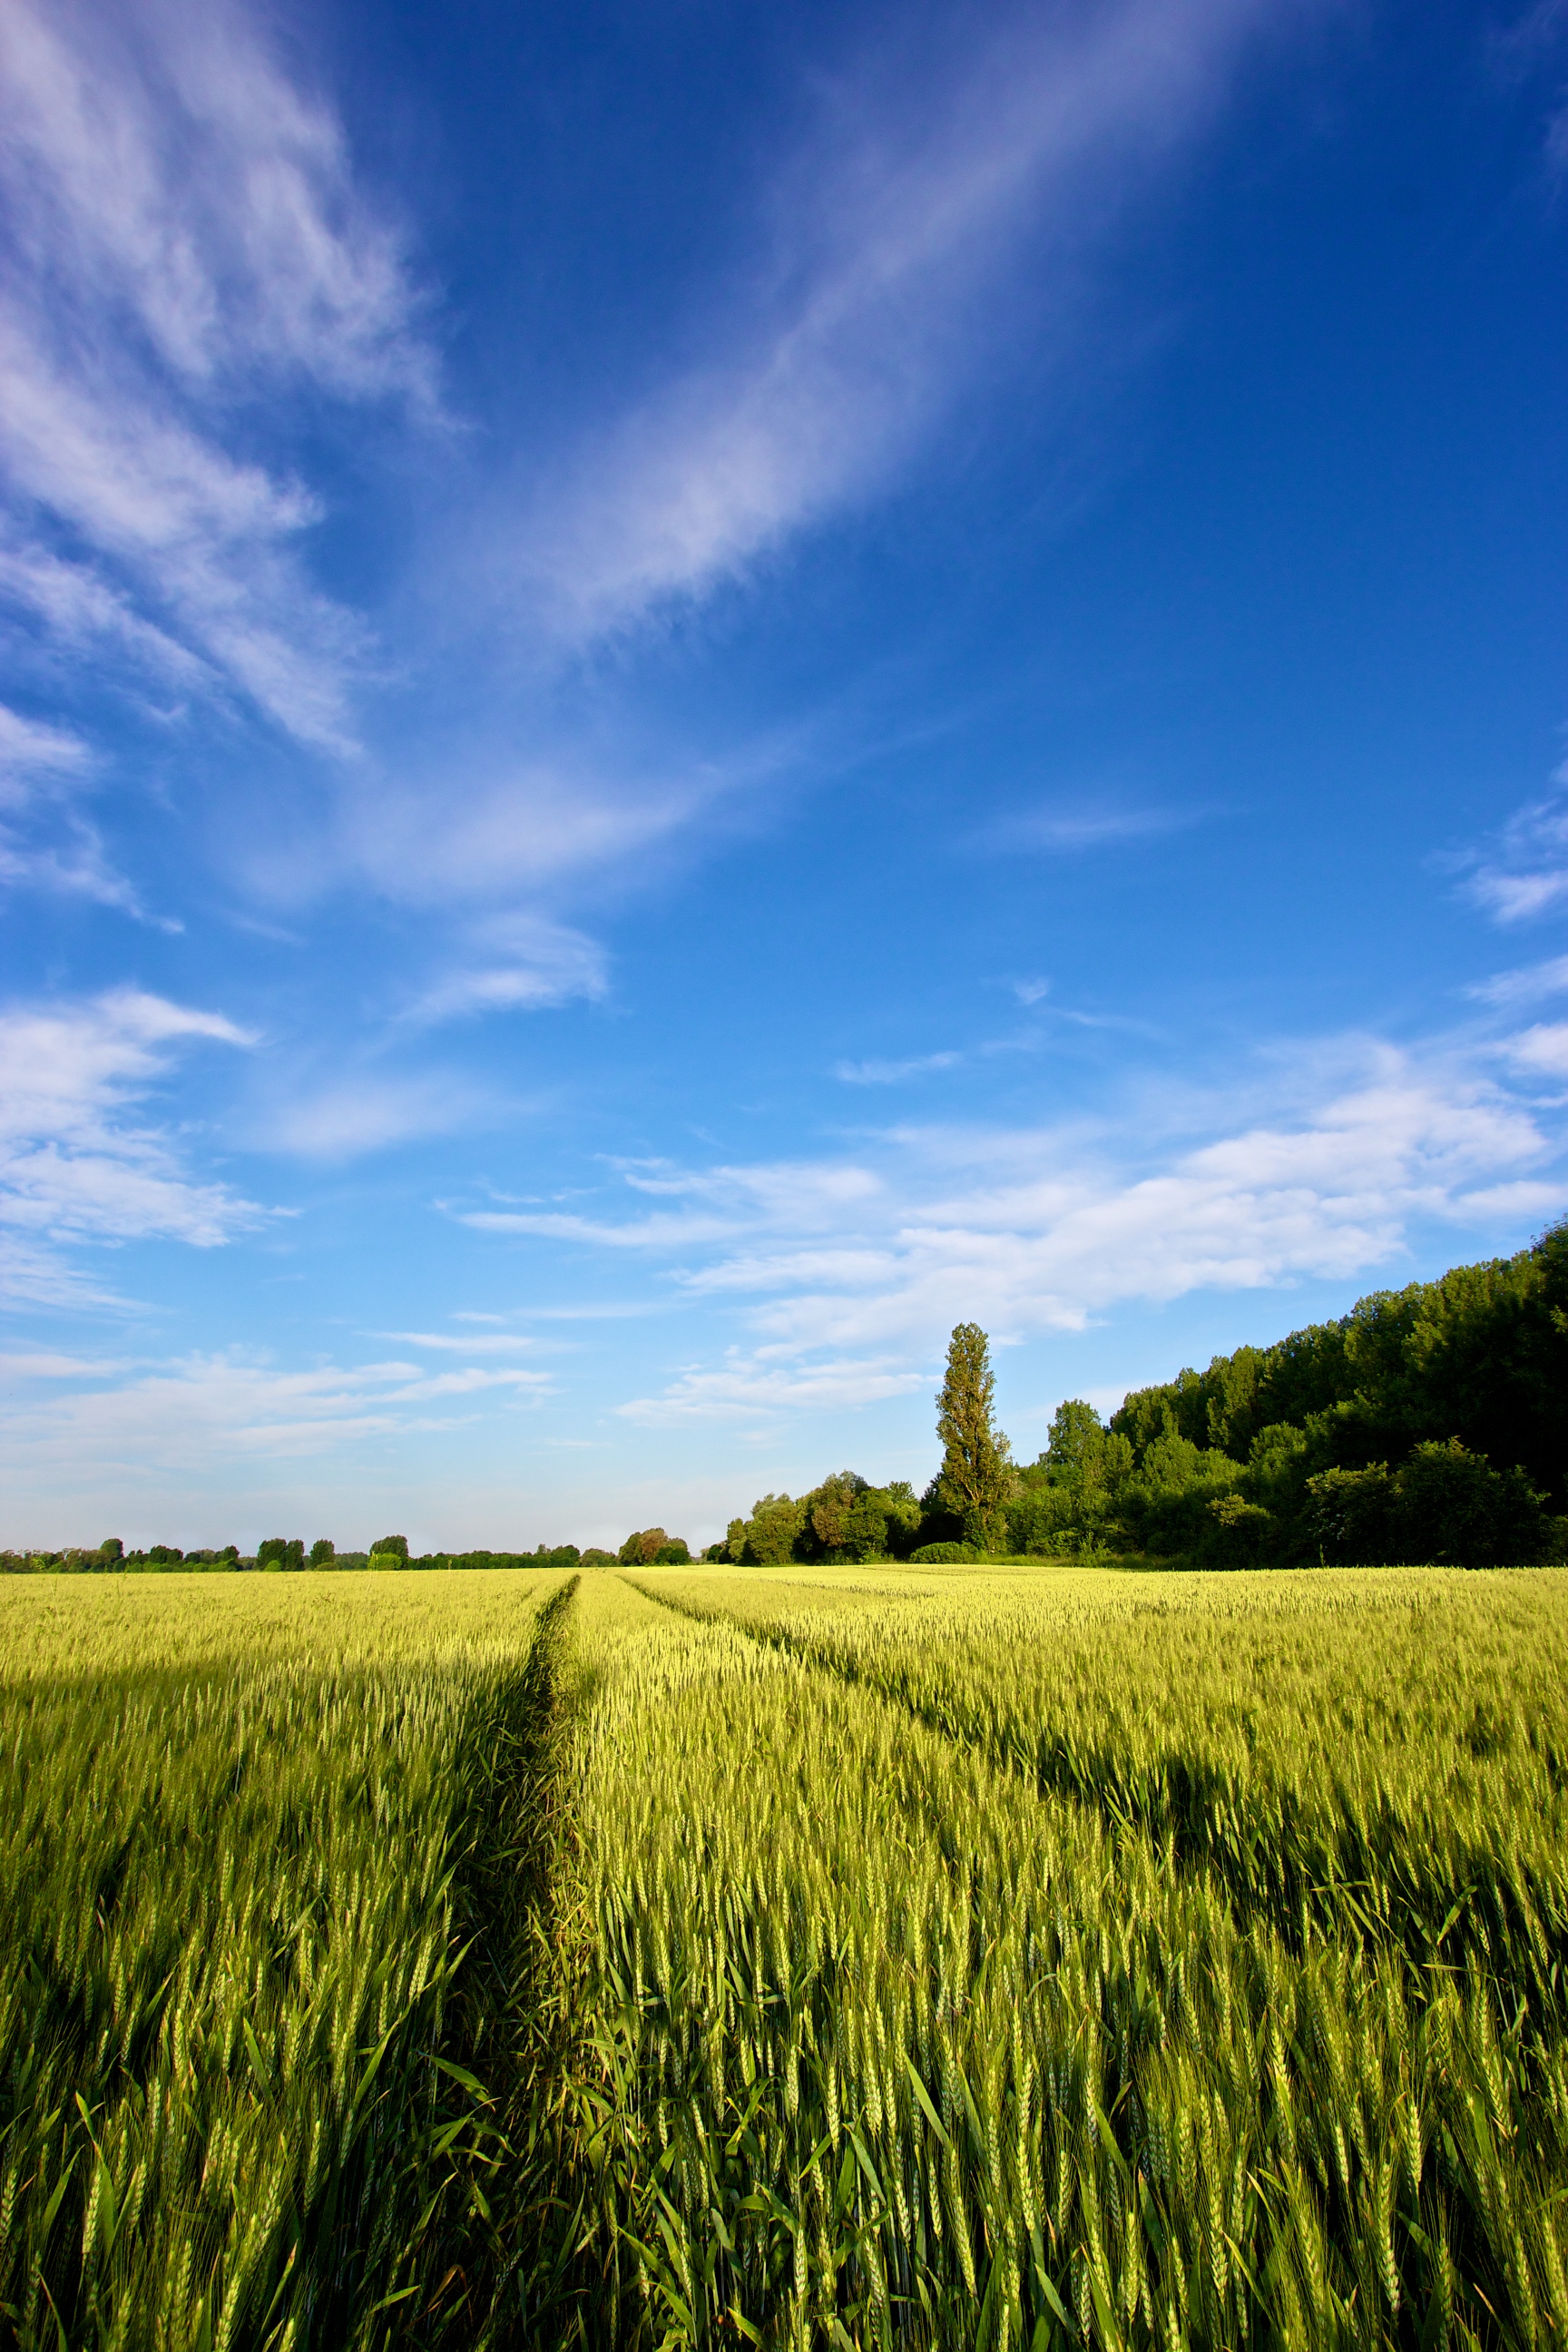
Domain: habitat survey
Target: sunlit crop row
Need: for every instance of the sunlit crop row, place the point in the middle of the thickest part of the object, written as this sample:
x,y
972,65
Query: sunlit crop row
x,y
237,1855
888,1956
901,2038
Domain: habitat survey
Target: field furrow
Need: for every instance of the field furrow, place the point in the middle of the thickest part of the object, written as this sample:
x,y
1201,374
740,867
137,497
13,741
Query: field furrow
x,y
262,1889
472,1965
1333,1750
879,2043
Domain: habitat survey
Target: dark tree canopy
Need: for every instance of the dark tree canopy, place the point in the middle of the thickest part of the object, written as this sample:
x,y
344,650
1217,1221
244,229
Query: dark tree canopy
x,y
1429,1423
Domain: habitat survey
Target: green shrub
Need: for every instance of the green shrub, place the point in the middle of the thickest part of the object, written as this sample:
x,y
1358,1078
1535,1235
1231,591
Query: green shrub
x,y
1444,1505
940,1554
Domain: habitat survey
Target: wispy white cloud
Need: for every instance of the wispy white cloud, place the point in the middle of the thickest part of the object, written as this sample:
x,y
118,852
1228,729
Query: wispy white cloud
x,y
945,194
722,1203
191,248
746,1390
203,194
53,1366
74,865
226,1410
196,267
66,1070
75,1163
423,1388
1032,1039
893,1074
466,1343
1534,41
476,822
1095,826
186,248
33,754
657,1233
1525,872
867,311
846,1262
1544,1048
356,1115
1526,986
514,964
40,764
80,612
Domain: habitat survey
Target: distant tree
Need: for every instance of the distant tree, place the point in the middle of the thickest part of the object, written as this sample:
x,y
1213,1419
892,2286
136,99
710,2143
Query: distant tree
x,y
831,1507
323,1551
1172,1464
397,1544
272,1552
640,1547
676,1553
735,1540
1084,1466
111,1549
773,1529
166,1555
976,1469
865,1535
902,1513
595,1557
1453,1506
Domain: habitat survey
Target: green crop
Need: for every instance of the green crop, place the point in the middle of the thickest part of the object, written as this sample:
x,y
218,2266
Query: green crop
x,y
242,1847
960,1970
846,1958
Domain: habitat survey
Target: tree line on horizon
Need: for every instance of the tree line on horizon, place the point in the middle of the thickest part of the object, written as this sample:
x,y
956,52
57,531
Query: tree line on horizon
x,y
281,1554
1429,1425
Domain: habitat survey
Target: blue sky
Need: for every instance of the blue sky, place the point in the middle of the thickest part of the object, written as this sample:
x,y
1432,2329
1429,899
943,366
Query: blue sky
x,y
690,690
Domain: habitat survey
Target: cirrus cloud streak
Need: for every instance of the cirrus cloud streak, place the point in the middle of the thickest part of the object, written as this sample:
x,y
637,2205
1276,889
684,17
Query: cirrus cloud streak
x,y
79,1162
869,1261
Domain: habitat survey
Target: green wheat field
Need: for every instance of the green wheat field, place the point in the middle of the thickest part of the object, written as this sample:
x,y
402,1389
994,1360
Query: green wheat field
x,y
850,1956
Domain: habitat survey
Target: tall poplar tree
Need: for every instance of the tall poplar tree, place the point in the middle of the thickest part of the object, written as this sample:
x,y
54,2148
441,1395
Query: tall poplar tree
x,y
977,1463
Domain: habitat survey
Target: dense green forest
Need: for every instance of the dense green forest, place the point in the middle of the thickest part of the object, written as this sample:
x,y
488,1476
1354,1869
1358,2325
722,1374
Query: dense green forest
x,y
1429,1425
